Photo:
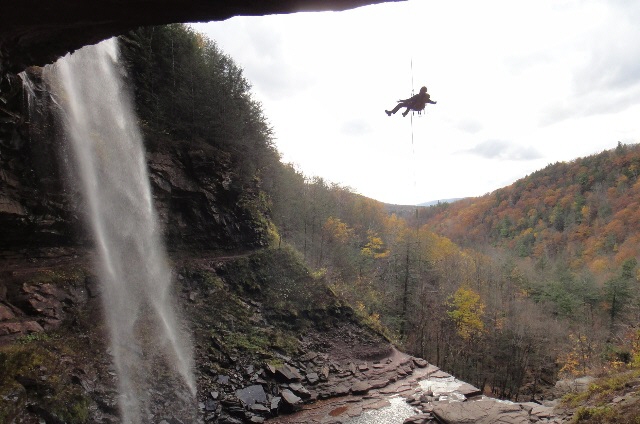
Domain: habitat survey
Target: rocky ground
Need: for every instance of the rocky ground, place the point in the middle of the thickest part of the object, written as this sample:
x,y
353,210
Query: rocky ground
x,y
432,395
272,344
257,356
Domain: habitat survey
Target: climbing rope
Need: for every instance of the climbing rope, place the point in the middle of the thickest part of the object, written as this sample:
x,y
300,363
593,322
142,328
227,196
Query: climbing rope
x,y
413,147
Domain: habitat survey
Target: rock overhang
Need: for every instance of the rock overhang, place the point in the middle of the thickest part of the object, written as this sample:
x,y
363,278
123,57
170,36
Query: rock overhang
x,y
33,32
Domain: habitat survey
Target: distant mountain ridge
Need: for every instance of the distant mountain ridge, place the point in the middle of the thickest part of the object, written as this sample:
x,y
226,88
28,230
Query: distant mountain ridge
x,y
409,211
440,201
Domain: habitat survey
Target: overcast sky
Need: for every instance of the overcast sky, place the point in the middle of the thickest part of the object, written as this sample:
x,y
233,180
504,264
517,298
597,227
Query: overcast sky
x,y
519,85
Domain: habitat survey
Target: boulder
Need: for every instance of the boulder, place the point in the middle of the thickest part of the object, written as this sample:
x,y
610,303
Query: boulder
x,y
360,388
540,411
431,369
210,405
259,408
420,363
288,373
275,403
439,374
42,300
419,419
340,390
6,313
488,411
19,328
309,356
251,395
378,384
292,401
312,377
573,386
324,373
300,390
468,390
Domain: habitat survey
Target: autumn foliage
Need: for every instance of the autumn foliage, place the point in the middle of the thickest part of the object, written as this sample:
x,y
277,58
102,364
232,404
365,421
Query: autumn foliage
x,y
585,211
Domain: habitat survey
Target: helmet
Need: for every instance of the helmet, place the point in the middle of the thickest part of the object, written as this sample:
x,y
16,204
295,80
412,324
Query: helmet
x,y
423,90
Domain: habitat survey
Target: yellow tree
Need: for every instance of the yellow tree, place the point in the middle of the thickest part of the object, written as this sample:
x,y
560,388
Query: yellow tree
x,y
337,231
466,312
375,247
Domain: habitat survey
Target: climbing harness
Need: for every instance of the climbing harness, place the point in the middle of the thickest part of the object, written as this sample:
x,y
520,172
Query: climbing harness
x,y
413,111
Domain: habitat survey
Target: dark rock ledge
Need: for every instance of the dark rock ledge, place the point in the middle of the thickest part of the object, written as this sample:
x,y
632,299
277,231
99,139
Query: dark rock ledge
x,y
33,32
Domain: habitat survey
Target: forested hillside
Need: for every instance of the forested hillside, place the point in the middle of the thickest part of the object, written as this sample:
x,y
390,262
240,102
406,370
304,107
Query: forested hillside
x,y
584,213
570,235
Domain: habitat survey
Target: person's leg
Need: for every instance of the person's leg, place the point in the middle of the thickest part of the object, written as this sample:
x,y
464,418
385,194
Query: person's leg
x,y
395,109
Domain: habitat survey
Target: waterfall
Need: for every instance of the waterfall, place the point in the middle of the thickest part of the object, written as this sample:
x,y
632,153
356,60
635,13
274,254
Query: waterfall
x,y
151,350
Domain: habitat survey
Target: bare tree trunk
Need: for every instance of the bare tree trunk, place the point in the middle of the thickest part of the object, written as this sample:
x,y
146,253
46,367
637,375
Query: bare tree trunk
x,y
405,296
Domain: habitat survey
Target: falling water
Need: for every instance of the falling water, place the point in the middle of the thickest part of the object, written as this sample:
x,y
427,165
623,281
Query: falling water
x,y
147,341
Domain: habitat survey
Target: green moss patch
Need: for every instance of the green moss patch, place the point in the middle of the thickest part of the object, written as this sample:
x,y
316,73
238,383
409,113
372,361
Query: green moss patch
x,y
31,371
278,279
595,405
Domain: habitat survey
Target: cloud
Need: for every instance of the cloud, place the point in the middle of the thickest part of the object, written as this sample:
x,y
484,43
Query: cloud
x,y
590,104
259,46
270,71
611,66
613,48
469,125
502,150
278,81
356,127
607,80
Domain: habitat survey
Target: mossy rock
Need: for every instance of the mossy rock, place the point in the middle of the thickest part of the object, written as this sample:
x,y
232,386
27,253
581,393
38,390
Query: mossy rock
x,y
32,373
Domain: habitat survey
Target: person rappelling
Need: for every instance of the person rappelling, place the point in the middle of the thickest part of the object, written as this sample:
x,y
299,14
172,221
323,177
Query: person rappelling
x,y
416,103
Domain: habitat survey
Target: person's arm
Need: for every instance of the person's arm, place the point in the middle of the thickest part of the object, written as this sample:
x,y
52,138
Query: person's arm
x,y
410,99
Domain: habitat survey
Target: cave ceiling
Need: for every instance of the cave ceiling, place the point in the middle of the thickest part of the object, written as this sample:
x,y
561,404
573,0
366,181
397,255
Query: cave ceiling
x,y
36,32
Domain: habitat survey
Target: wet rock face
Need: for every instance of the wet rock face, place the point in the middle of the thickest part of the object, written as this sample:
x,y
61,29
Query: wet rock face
x,y
39,209
35,307
34,208
33,33
197,206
